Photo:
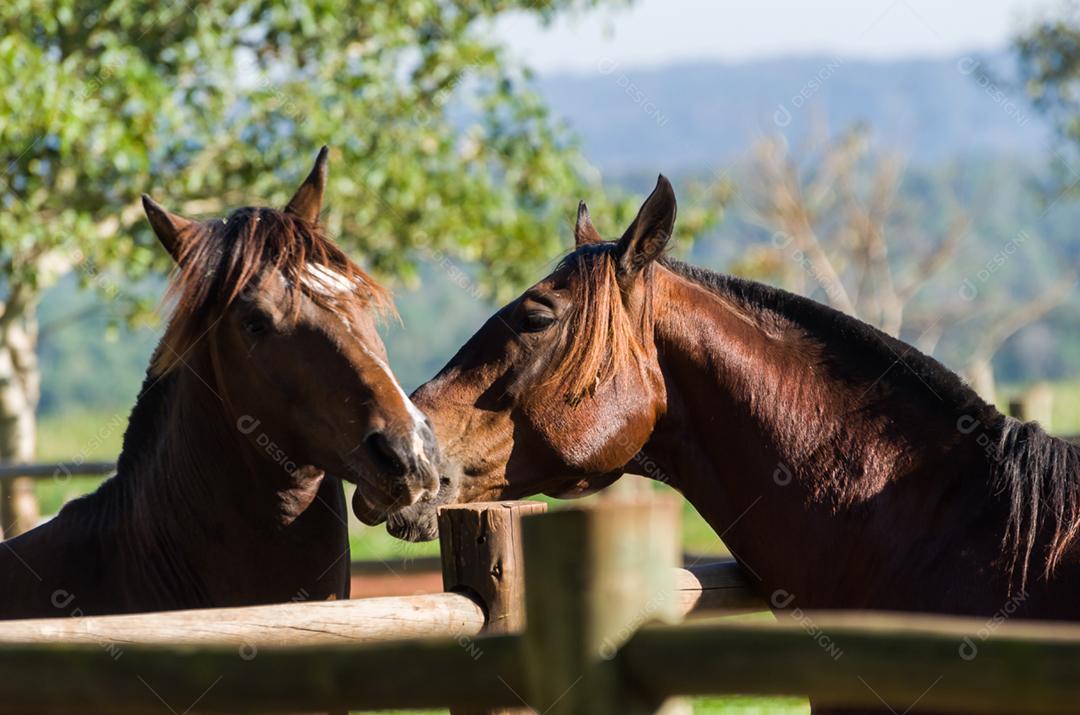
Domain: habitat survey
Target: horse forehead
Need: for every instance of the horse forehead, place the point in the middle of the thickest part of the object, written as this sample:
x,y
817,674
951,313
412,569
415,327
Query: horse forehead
x,y
328,281
558,282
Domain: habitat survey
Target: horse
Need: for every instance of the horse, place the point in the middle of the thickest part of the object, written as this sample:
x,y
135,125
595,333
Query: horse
x,y
269,386
843,468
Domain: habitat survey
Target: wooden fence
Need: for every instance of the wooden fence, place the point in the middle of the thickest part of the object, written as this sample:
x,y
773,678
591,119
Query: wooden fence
x,y
56,470
577,611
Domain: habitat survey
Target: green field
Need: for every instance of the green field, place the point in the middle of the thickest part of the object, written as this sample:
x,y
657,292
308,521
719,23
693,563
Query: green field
x,y
1065,418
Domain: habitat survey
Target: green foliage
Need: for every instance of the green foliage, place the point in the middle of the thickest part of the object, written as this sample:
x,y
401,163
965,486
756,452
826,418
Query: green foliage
x,y
1048,62
1048,54
90,360
437,142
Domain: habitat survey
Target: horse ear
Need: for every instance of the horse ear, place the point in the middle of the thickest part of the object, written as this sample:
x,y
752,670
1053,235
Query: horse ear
x,y
650,231
306,203
167,226
584,232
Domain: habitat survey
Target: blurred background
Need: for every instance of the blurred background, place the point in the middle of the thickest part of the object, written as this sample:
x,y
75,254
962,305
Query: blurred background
x,y
913,163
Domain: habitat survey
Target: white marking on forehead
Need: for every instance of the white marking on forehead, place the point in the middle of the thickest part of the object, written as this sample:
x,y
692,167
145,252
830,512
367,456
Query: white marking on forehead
x,y
328,281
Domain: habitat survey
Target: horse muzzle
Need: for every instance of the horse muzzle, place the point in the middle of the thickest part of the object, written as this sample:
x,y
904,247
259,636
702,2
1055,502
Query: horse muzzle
x,y
420,521
395,471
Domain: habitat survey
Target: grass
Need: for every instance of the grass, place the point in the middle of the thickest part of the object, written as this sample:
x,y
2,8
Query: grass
x,y
84,437
1065,416
1065,412
745,705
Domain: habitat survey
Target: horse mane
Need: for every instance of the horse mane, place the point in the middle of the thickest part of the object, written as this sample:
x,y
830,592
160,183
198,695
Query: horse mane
x,y
845,334
598,336
1036,475
1040,478
221,260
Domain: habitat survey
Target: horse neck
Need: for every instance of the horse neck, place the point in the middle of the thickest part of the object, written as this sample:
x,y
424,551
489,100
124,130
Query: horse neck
x,y
225,523
196,516
65,566
182,469
807,471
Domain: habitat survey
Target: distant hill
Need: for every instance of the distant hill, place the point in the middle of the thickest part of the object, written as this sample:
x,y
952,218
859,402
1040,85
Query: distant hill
x,y
694,116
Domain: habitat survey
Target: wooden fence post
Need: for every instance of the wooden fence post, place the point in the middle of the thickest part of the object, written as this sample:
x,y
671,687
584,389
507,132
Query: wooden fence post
x,y
482,557
1035,404
593,577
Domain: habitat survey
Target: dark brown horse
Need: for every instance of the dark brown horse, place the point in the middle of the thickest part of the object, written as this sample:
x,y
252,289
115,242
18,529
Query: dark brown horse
x,y
843,468
270,383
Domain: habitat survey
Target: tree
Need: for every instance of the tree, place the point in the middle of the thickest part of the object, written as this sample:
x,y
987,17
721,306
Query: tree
x,y
840,226
1048,63
437,144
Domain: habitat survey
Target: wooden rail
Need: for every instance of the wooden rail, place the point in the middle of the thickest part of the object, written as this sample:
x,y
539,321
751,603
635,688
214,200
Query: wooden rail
x,y
863,660
60,470
723,585
293,624
43,678
453,615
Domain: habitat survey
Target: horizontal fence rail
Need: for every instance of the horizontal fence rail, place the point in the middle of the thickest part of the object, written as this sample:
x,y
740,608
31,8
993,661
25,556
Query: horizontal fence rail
x,y
58,470
292,624
453,615
865,660
45,678
723,585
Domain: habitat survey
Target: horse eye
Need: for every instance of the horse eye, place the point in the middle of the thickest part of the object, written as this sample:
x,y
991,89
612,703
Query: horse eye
x,y
535,322
256,325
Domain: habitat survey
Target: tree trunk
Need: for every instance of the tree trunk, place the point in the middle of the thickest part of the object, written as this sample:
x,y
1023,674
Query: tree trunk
x,y
980,375
20,389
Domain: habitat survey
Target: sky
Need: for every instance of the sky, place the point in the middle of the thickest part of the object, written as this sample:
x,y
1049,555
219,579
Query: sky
x,y
657,32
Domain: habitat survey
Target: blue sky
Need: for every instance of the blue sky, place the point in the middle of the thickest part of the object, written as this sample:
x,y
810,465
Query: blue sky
x,y
654,32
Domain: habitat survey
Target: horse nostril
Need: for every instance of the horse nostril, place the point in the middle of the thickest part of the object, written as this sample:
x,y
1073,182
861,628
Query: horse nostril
x,y
386,458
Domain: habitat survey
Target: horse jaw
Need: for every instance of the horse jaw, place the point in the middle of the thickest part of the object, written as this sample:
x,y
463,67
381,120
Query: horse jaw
x,y
582,487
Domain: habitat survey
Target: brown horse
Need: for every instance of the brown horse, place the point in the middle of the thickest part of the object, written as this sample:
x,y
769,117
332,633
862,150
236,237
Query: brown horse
x,y
269,383
842,468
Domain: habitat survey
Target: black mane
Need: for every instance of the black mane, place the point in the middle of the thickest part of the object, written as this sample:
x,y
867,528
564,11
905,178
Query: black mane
x,y
877,350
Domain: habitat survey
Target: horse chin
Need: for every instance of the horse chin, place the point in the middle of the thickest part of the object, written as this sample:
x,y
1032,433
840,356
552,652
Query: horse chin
x,y
420,521
423,526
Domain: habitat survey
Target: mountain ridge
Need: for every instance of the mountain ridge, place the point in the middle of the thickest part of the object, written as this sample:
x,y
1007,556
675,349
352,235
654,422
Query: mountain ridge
x,y
692,115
